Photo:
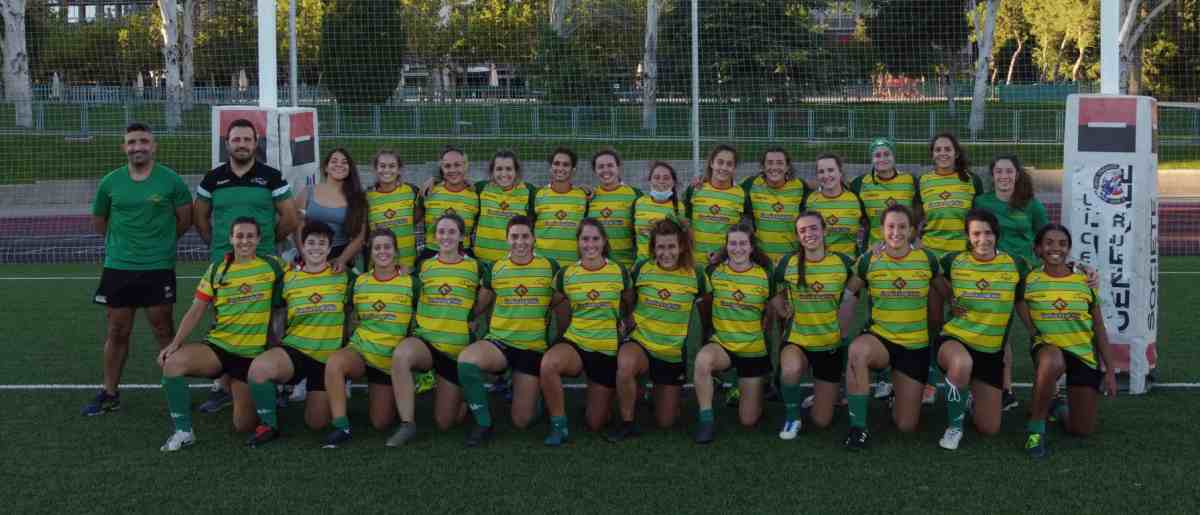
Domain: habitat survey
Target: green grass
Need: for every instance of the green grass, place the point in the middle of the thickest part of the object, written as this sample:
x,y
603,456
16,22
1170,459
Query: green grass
x,y
61,462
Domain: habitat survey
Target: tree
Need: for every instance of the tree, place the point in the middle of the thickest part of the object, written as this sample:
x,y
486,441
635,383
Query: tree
x,y
1135,19
170,51
226,42
582,66
650,69
362,50
1172,54
18,88
919,37
984,39
187,51
1011,25
309,16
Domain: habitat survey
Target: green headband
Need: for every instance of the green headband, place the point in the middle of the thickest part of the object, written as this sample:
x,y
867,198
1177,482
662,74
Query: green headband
x,y
883,142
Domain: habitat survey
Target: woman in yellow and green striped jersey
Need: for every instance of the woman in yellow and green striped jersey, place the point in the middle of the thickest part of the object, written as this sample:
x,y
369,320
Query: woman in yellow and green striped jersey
x,y
500,199
241,288
740,285
383,301
883,186
662,201
810,285
315,296
773,200
844,213
715,205
612,203
597,290
395,205
1063,314
558,208
982,286
947,192
450,193
455,288
665,289
899,284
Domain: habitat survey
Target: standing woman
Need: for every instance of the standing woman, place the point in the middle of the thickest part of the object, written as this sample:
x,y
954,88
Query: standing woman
x,y
242,287
597,289
883,186
1063,314
662,201
501,198
339,202
844,213
741,287
1021,215
450,194
454,289
558,208
773,200
315,296
383,302
947,192
612,204
899,285
715,205
810,285
393,205
665,288
982,285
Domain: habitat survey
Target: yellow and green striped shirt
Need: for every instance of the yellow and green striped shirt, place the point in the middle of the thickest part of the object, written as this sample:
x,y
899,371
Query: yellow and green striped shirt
x,y
395,210
774,211
595,297
384,310
316,311
242,296
1061,308
558,216
646,211
712,211
664,307
984,295
496,207
945,200
844,219
815,306
447,297
899,295
464,203
879,194
523,293
739,299
614,210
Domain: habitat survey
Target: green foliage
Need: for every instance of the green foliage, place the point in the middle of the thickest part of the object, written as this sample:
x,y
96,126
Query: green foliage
x,y
919,37
362,50
588,63
564,74
309,16
1172,54
226,43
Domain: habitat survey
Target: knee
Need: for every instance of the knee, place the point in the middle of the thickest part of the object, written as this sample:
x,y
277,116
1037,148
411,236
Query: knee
x,y
119,332
549,367
259,373
162,329
625,373
790,370
174,367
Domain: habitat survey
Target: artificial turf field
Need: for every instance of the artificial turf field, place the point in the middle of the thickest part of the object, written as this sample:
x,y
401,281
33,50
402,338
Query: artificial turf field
x,y
58,461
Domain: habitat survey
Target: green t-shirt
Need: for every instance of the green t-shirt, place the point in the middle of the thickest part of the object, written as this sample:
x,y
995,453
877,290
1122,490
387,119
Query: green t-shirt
x,y
141,218
1017,226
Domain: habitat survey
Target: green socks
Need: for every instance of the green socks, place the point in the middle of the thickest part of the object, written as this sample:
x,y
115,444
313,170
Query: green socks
x,y
791,401
559,424
706,416
1036,426
342,423
956,405
472,385
264,403
179,402
858,410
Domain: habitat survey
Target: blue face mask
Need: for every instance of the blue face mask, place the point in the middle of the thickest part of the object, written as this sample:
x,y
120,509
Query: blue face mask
x,y
661,196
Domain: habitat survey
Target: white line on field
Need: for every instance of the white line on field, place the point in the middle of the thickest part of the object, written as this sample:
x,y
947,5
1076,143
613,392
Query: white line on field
x,y
573,386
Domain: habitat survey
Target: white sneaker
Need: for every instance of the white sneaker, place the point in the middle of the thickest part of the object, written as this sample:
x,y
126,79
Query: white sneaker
x,y
808,402
790,429
883,389
178,440
950,438
299,392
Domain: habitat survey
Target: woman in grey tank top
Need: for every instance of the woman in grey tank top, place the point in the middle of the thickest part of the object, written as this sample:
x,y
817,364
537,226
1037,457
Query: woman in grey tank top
x,y
338,200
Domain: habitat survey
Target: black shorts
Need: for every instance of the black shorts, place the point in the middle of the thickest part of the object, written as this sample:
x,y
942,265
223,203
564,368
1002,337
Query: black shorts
x,y
664,372
826,365
913,363
750,366
135,288
376,376
987,367
306,368
238,367
600,368
525,361
443,365
1078,372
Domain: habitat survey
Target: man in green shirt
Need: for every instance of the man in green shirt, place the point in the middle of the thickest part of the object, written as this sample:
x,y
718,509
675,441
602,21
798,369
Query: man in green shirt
x,y
141,209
